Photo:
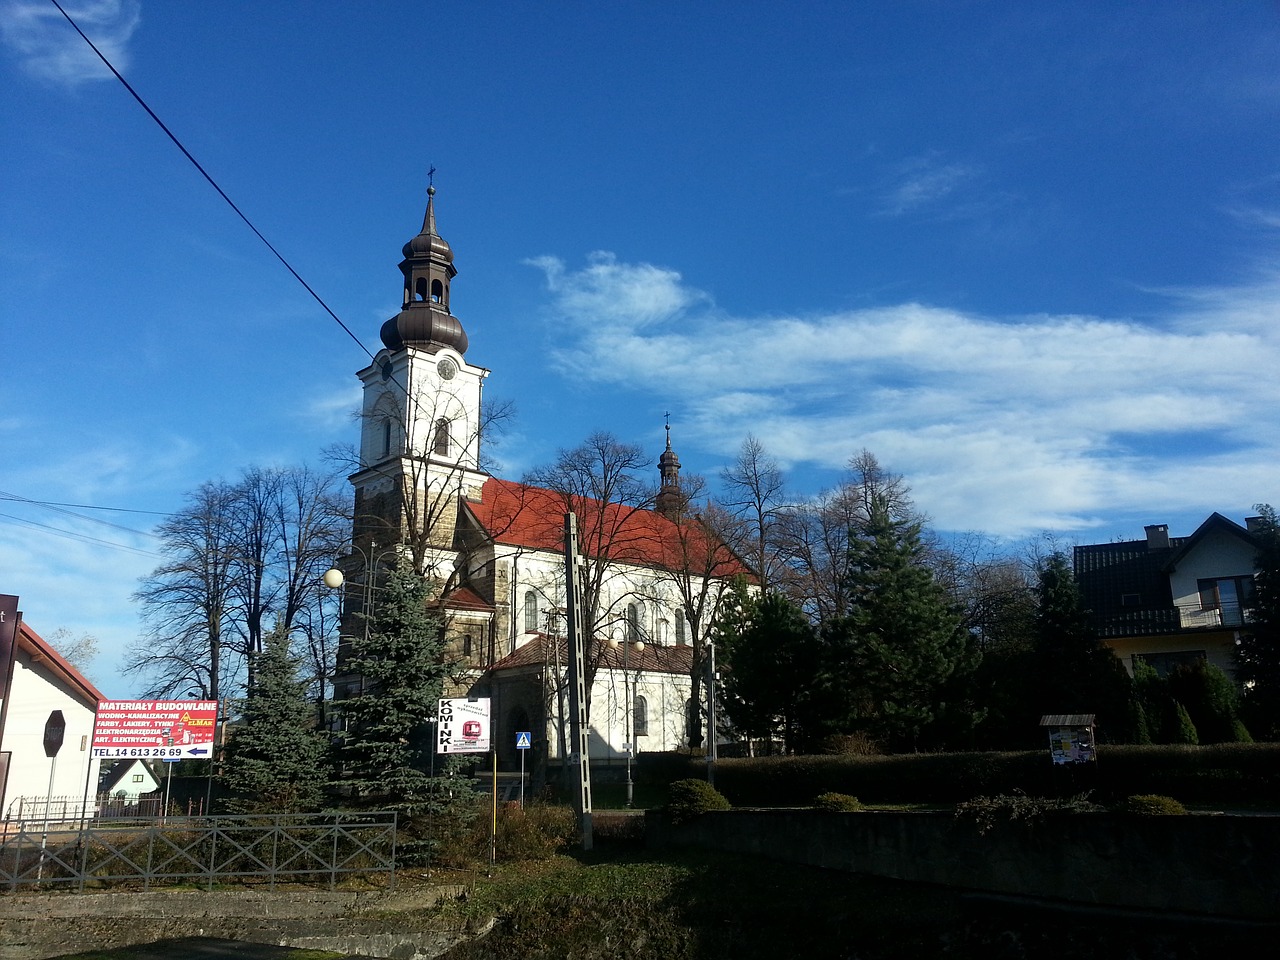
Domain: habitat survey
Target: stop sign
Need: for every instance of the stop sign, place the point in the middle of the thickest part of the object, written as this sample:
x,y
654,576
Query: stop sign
x,y
55,728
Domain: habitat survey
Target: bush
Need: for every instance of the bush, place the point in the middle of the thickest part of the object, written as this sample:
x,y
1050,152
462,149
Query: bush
x,y
689,798
838,802
1152,805
986,812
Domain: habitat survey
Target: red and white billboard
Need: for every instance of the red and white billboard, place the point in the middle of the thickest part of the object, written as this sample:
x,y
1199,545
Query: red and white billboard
x,y
155,729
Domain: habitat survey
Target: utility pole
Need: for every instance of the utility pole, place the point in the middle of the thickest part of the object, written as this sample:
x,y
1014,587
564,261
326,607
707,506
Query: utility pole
x,y
578,729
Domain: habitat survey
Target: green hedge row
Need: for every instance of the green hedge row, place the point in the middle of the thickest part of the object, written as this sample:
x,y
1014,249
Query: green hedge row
x,y
1237,773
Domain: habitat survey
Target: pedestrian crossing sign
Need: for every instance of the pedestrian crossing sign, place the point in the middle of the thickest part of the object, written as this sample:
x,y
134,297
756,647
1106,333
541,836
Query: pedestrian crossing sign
x,y
523,740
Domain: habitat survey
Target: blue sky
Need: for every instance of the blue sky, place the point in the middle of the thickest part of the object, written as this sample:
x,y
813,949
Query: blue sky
x,y
1026,253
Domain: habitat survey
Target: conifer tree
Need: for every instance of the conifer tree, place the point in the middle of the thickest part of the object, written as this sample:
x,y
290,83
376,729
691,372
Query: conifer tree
x,y
274,759
1075,672
1258,655
894,661
386,756
771,660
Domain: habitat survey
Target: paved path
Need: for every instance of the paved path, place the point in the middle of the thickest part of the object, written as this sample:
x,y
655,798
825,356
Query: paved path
x,y
209,948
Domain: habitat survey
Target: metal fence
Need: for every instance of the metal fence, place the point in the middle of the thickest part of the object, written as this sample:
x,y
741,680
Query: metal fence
x,y
60,809
268,850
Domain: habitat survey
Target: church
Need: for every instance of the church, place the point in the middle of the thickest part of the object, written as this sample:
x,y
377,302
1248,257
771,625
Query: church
x,y
652,572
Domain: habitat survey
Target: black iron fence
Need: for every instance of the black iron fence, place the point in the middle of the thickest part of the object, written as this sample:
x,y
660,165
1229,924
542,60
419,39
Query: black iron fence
x,y
269,849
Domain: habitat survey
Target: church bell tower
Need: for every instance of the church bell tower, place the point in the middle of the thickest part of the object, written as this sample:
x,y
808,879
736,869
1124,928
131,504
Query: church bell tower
x,y
421,414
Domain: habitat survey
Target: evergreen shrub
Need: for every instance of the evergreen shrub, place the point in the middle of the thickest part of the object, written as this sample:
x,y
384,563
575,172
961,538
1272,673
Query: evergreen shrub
x,y
1152,805
689,798
838,803
986,812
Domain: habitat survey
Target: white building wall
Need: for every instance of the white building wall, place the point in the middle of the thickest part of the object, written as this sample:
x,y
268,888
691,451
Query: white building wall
x,y
1218,555
33,696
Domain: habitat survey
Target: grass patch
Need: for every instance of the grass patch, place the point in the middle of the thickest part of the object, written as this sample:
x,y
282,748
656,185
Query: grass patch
x,y
696,905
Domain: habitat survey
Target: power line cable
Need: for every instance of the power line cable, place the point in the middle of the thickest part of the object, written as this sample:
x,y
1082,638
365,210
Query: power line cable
x,y
213,183
82,538
59,508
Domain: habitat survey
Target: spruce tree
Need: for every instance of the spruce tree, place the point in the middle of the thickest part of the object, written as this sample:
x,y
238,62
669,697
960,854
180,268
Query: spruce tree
x,y
1258,654
1075,671
386,755
895,661
274,758
770,662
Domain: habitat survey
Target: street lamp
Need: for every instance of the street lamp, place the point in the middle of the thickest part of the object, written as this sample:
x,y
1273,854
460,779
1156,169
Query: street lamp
x,y
335,579
627,645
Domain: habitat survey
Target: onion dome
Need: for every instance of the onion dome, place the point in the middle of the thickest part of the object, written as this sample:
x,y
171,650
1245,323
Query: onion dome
x,y
428,268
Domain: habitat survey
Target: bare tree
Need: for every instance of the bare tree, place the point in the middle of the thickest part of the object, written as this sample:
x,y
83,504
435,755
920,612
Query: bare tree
x,y
186,600
600,482
755,493
80,651
237,555
698,563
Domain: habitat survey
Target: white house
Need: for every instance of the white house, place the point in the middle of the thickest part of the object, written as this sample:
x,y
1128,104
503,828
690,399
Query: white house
x,y
42,684
1165,600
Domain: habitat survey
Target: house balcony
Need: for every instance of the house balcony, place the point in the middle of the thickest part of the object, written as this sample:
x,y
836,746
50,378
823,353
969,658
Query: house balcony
x,y
1155,621
1195,616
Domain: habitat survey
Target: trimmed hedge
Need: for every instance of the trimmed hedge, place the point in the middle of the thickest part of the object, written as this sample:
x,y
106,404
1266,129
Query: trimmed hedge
x,y
1222,773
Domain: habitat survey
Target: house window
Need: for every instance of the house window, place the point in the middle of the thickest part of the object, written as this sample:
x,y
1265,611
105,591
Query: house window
x,y
137,778
1166,663
681,639
1130,599
441,443
530,611
640,717
1230,596
466,645
633,623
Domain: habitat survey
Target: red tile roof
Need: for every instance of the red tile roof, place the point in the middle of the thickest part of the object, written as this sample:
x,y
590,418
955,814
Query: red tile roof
x,y
519,515
464,598
652,659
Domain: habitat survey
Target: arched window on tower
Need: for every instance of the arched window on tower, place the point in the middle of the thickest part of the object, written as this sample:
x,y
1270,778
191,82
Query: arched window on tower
x,y
633,623
640,717
437,291
420,290
386,437
441,443
681,637
530,611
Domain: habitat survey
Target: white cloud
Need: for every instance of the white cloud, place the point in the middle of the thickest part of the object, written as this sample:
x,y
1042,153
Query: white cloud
x,y
1008,425
923,181
607,292
49,48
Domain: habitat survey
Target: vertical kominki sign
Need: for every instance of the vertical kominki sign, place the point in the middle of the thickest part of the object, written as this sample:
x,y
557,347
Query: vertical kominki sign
x,y
463,726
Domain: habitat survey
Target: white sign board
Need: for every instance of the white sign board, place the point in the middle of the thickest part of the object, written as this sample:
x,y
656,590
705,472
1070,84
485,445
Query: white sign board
x,y
463,726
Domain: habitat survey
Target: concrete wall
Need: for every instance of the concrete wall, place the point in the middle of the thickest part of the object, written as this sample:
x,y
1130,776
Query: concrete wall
x,y
1222,866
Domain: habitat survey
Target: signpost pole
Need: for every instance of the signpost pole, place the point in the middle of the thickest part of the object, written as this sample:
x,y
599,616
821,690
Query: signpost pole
x,y
55,730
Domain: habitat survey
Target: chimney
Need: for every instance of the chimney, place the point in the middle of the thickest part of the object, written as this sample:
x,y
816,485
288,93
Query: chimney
x,y
1157,536
1253,524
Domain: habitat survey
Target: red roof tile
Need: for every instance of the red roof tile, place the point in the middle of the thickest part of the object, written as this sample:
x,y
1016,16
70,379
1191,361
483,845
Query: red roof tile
x,y
519,515
464,598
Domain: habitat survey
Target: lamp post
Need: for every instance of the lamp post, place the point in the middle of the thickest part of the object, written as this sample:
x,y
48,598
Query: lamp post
x,y
335,579
627,645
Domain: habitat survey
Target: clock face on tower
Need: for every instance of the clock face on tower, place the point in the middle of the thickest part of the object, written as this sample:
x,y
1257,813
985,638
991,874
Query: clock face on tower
x,y
447,369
